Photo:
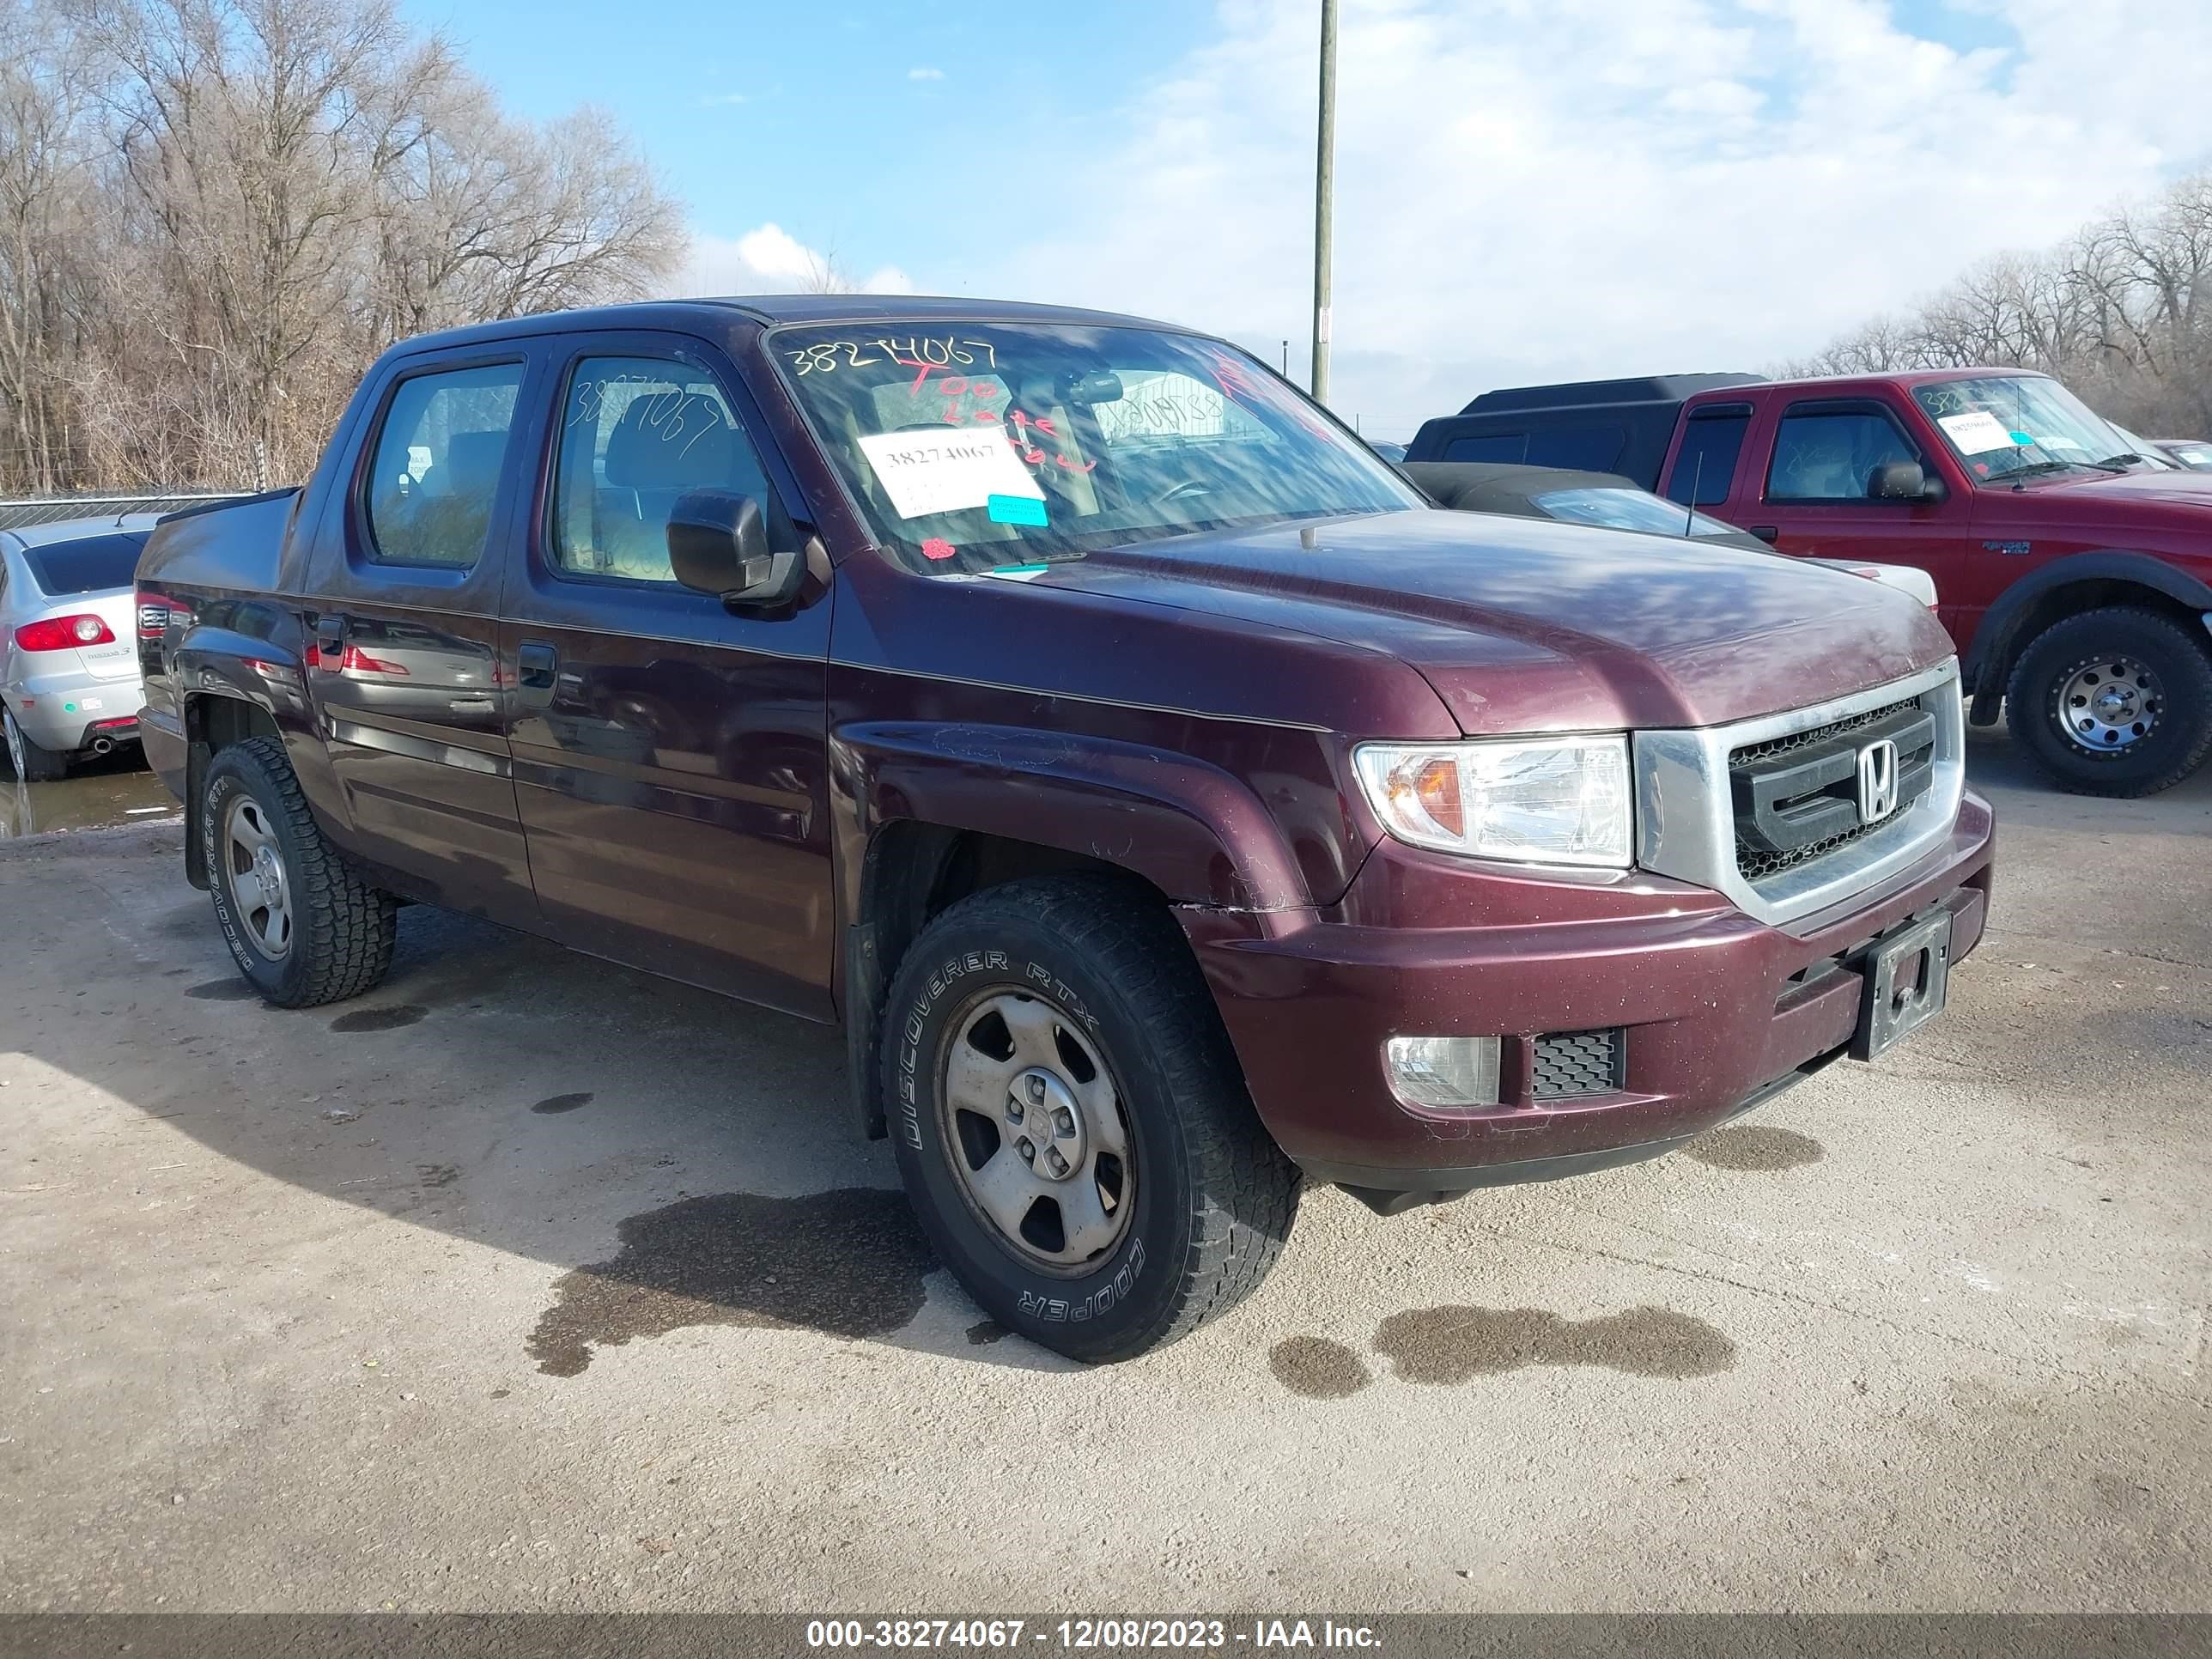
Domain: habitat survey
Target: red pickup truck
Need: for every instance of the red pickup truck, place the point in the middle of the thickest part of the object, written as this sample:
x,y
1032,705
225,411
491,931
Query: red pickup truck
x,y
2075,574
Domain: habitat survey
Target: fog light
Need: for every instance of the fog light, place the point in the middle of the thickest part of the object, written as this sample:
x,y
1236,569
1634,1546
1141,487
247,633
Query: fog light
x,y
1443,1073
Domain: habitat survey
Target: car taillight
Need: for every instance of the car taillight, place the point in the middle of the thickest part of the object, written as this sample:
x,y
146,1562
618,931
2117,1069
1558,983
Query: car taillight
x,y
360,662
63,632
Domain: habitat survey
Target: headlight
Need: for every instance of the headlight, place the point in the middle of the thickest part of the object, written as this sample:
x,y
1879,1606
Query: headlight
x,y
1537,800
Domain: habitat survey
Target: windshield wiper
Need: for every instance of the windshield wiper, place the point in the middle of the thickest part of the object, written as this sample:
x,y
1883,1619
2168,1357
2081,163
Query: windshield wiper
x,y
2121,462
2028,467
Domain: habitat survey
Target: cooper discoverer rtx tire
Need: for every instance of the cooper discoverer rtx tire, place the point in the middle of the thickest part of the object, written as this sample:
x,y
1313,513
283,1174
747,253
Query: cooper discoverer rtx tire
x,y
1070,1121
301,924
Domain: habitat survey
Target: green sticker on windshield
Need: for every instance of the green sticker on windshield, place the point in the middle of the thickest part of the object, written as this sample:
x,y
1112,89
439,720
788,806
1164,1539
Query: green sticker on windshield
x,y
1016,509
2023,440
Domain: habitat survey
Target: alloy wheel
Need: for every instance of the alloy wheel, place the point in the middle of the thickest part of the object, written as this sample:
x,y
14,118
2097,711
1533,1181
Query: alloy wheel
x,y
259,885
2109,704
1035,1133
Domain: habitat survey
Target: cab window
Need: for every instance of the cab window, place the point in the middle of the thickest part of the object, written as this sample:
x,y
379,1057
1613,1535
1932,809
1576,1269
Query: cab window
x,y
439,456
638,433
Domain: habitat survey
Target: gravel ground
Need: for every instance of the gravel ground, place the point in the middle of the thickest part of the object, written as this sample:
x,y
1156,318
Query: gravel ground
x,y
527,1282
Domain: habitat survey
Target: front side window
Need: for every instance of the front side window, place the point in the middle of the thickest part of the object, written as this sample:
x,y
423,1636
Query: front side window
x,y
437,469
2006,427
1831,455
974,447
638,433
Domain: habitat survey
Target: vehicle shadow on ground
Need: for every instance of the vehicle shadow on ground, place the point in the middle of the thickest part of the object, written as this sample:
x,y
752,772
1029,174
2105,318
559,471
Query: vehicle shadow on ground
x,y
678,1158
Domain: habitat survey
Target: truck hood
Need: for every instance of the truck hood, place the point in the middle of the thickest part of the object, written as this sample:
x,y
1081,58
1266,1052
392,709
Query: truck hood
x,y
2169,497
1527,625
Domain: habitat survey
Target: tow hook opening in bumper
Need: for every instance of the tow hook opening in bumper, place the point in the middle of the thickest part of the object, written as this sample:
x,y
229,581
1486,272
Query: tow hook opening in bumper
x,y
1394,1192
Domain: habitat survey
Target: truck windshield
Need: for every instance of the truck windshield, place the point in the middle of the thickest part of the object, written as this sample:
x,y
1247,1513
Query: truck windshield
x,y
2007,426
973,448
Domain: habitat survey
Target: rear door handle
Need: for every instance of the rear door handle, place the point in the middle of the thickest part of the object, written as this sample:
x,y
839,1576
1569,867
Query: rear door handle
x,y
537,667
1766,532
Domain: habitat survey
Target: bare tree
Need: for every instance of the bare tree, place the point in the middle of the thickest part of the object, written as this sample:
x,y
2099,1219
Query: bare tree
x,y
2122,311
214,212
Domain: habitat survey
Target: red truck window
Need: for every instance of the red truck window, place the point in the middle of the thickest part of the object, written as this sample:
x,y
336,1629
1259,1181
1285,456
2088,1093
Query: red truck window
x,y
1830,454
1704,467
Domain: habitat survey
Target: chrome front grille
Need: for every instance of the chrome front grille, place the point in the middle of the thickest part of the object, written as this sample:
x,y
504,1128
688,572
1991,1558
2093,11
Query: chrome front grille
x,y
1768,811
1796,798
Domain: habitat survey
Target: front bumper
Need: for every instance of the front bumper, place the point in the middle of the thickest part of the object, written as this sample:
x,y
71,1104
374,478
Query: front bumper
x,y
1718,1010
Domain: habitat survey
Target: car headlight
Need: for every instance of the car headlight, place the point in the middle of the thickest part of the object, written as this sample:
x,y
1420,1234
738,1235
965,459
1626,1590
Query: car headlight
x,y
1534,800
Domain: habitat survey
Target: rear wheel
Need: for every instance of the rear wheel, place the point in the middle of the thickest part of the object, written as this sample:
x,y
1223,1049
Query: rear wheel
x,y
33,763
2116,701
302,925
1072,1124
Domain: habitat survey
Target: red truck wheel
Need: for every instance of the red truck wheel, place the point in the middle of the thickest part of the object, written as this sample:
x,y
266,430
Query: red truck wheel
x,y
2116,701
1071,1123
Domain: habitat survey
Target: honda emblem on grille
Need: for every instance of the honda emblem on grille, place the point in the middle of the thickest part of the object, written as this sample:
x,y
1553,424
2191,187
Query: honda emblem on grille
x,y
1877,780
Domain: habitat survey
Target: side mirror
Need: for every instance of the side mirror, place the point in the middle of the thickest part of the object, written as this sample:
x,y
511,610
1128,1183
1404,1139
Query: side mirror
x,y
1904,480
718,544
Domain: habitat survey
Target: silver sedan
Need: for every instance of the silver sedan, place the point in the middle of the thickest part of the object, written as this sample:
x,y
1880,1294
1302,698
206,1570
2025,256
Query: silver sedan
x,y
69,641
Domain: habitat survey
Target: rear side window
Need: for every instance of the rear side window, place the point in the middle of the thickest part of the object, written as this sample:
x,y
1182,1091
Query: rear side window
x,y
439,456
1706,466
1582,448
85,566
1497,446
637,433
1829,455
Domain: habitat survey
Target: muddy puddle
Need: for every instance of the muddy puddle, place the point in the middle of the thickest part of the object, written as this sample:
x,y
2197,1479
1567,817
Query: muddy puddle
x,y
101,794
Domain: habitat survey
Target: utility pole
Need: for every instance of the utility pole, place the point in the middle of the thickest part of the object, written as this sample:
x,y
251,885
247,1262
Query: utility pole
x,y
1286,360
1324,183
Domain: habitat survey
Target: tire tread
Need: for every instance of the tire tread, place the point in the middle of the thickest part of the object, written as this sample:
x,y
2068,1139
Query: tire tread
x,y
1245,1191
2190,705
346,927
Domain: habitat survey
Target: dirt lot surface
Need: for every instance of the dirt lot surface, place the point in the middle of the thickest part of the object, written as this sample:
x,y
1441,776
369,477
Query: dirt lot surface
x,y
530,1283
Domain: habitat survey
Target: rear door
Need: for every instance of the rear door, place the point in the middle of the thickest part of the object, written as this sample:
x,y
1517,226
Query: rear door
x,y
670,755
1806,491
403,633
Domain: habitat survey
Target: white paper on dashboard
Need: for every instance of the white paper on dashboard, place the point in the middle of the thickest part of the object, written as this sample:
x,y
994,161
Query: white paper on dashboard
x,y
927,472
1976,434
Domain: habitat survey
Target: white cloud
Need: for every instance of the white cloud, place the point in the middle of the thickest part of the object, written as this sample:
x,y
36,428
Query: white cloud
x,y
1538,189
723,99
925,73
771,260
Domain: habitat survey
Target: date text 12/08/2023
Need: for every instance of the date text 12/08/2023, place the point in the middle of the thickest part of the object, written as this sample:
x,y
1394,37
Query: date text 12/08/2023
x,y
1090,1635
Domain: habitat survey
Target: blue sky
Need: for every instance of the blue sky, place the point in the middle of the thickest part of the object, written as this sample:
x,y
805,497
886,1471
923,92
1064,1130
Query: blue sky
x,y
1527,188
805,116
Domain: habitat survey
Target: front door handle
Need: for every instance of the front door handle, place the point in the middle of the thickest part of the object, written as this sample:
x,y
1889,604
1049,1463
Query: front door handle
x,y
536,668
1766,532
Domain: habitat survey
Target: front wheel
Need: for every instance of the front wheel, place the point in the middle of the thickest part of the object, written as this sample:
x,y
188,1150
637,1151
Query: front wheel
x,y
33,763
302,925
2116,701
1071,1123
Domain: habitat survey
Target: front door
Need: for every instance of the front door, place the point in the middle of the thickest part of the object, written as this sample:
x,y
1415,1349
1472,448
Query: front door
x,y
670,755
1814,502
403,636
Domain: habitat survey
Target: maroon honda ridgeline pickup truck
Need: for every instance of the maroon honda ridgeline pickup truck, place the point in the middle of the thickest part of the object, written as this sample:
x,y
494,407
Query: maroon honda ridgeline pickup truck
x,y
1168,803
